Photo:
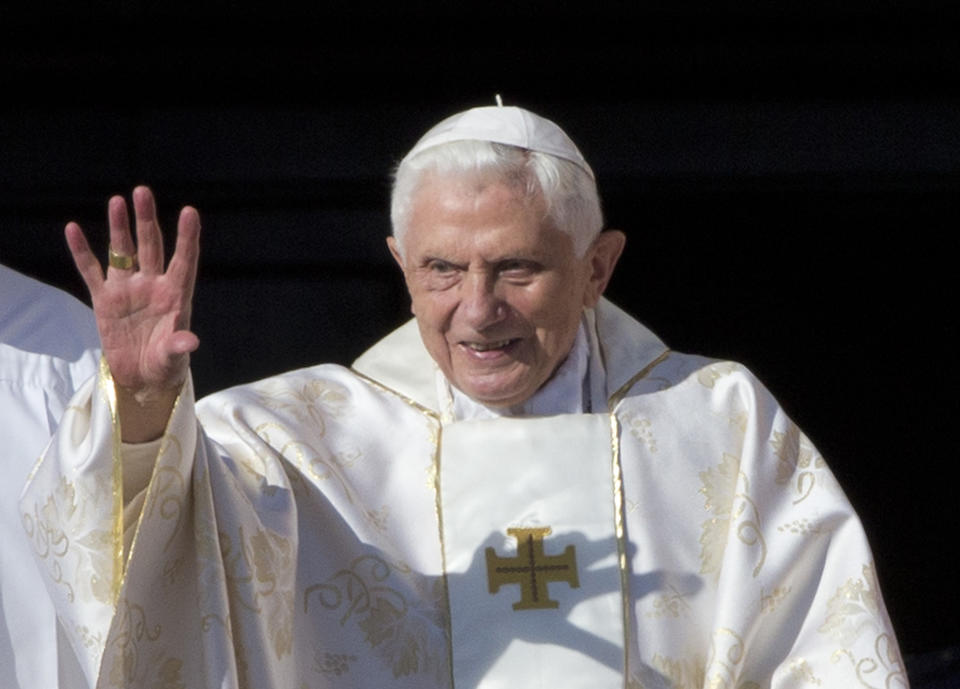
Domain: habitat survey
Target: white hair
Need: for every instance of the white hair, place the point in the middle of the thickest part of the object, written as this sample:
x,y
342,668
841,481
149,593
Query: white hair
x,y
569,192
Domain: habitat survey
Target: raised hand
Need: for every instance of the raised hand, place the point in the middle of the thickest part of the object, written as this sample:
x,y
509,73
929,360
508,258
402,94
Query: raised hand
x,y
142,311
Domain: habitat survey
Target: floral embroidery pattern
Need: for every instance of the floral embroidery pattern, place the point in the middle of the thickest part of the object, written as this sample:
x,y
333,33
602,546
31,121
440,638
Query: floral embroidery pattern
x,y
770,601
127,664
317,464
726,490
854,610
800,669
62,527
708,376
727,653
332,663
309,403
796,455
167,489
362,595
259,573
671,604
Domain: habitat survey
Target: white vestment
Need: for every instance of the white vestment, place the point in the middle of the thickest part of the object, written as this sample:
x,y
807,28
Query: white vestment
x,y
48,347
335,527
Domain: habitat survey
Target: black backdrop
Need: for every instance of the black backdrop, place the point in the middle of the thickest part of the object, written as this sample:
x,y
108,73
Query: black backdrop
x,y
787,178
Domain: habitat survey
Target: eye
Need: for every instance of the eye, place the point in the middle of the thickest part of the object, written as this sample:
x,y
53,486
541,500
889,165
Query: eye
x,y
518,268
440,267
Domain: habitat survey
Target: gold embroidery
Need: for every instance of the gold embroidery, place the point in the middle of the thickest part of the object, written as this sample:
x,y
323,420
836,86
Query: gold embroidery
x,y
309,403
88,638
335,664
643,373
671,604
381,612
855,605
620,528
732,509
320,465
123,654
435,431
641,430
801,527
64,513
769,602
532,569
800,669
378,518
261,567
681,673
168,675
708,376
727,652
855,609
885,670
107,389
797,455
740,420
168,489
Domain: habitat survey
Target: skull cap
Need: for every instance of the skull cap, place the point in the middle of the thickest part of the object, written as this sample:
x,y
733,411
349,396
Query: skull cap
x,y
503,125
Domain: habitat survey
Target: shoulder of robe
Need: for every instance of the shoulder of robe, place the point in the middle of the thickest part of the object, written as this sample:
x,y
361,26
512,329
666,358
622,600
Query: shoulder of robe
x,y
400,363
296,397
699,380
638,363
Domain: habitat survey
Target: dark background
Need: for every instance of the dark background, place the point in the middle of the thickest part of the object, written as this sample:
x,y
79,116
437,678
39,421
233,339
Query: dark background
x,y
788,178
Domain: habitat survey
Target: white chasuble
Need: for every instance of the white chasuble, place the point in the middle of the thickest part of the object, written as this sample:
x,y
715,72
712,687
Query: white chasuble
x,y
339,528
531,548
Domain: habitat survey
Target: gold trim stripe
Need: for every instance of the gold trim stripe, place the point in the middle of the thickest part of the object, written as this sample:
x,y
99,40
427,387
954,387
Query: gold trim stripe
x,y
621,536
443,549
105,383
625,388
409,400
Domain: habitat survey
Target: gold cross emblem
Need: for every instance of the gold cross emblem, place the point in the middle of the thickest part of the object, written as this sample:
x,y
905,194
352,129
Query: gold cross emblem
x,y
531,569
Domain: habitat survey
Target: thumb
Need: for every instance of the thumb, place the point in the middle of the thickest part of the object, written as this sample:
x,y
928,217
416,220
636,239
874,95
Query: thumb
x,y
183,342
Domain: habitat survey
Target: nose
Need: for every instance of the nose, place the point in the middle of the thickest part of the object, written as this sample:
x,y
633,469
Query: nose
x,y
482,307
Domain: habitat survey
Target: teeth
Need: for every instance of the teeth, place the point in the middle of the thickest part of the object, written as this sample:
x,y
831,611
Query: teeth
x,y
487,346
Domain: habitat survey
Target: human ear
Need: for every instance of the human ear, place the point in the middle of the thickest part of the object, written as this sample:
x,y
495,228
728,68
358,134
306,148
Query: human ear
x,y
602,256
398,257
395,251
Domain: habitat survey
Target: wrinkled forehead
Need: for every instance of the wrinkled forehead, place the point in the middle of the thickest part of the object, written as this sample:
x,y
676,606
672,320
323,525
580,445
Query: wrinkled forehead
x,y
449,214
520,182
478,192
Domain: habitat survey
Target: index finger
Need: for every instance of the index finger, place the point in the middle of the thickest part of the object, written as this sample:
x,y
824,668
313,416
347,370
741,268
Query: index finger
x,y
87,264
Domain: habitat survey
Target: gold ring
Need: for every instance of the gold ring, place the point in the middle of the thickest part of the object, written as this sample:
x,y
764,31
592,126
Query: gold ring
x,y
121,261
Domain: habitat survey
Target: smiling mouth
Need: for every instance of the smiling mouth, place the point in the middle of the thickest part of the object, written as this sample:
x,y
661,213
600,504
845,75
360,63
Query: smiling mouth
x,y
489,346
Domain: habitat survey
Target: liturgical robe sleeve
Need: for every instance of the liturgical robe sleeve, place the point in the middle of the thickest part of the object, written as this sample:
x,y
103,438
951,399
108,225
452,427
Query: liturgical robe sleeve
x,y
297,550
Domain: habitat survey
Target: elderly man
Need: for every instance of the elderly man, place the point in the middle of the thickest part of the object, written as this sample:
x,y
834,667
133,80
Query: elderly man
x,y
521,486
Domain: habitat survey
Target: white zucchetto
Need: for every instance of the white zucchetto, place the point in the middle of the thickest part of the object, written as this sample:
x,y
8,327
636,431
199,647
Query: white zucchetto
x,y
504,125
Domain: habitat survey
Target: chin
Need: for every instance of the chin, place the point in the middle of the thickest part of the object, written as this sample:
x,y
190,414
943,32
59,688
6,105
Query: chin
x,y
498,397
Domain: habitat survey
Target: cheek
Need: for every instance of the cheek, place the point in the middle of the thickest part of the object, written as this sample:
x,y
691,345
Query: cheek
x,y
557,318
433,311
557,305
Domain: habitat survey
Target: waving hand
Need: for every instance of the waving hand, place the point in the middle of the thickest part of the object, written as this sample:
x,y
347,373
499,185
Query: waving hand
x,y
142,310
